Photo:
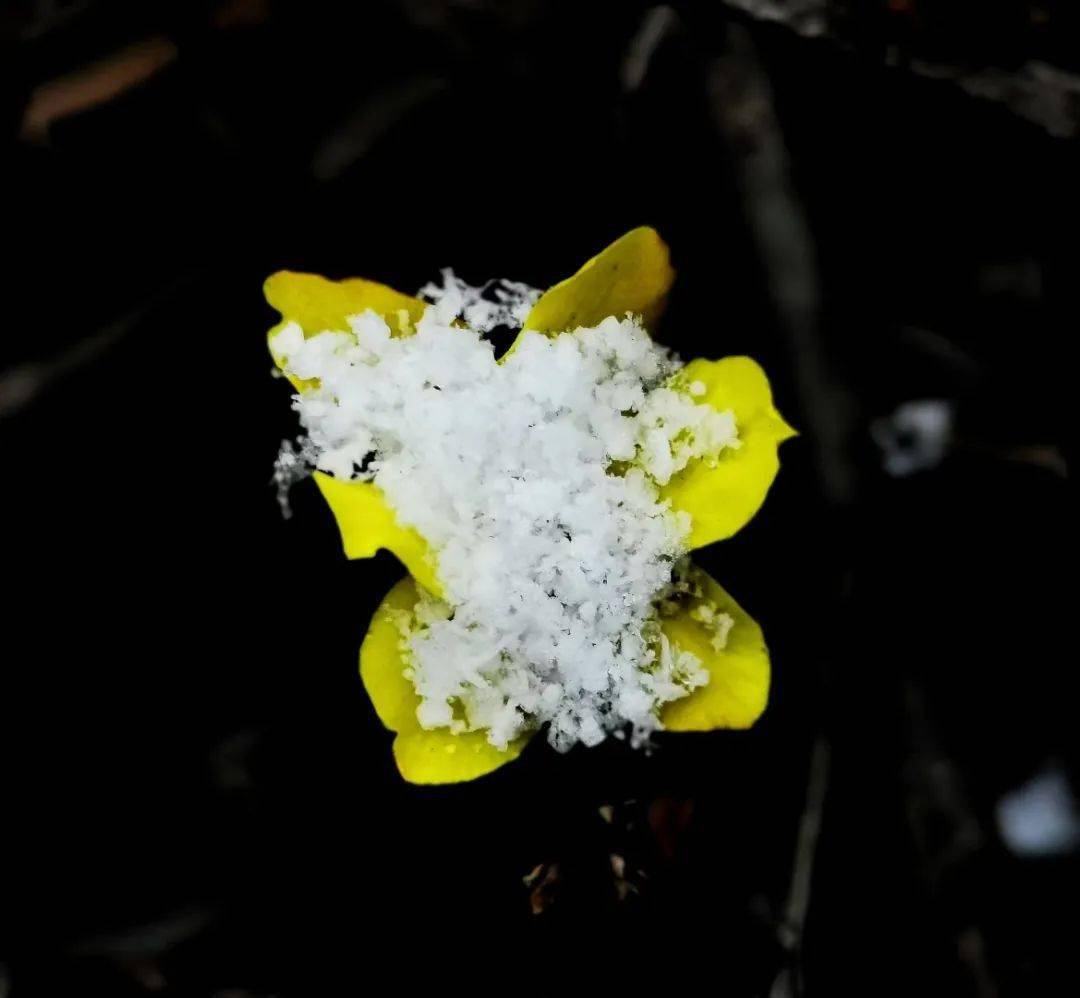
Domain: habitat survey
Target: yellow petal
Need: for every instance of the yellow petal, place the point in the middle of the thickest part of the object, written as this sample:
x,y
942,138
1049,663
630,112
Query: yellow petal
x,y
632,275
722,496
367,522
441,757
381,665
317,304
738,686
422,756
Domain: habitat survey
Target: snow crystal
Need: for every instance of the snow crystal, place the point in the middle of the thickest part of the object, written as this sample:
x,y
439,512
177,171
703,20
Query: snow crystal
x,y
718,624
536,481
292,465
497,303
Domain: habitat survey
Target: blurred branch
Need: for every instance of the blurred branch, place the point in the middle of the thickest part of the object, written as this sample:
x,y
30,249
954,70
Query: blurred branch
x,y
807,17
375,116
138,950
21,384
792,926
742,104
93,85
945,828
655,24
44,16
1042,93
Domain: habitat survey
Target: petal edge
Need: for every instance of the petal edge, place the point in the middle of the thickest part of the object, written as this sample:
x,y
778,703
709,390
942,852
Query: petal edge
x,y
421,756
317,304
724,497
739,674
633,274
434,757
367,522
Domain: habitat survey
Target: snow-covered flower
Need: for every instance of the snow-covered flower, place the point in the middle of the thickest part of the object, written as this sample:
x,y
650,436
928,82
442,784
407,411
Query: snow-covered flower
x,y
544,504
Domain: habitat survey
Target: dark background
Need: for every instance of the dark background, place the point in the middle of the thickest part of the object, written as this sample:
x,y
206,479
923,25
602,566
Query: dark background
x,y
876,200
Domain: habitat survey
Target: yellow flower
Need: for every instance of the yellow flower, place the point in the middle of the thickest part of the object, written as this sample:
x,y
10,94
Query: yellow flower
x,y
720,495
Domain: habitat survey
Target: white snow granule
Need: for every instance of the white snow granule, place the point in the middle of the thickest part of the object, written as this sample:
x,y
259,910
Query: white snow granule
x,y
535,481
292,465
497,303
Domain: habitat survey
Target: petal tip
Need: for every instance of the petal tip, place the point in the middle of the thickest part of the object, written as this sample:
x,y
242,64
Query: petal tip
x,y
784,430
275,288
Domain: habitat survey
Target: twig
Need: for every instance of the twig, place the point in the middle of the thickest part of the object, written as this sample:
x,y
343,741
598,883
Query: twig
x,y
742,104
21,384
791,928
1044,94
94,85
655,25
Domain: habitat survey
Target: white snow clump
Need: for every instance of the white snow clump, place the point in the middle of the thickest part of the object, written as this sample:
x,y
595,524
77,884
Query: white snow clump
x,y
535,480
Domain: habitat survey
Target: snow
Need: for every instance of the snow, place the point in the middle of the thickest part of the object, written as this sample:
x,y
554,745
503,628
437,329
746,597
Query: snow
x,y
536,481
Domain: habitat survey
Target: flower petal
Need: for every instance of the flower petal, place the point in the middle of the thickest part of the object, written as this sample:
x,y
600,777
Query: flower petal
x,y
422,756
442,757
365,519
632,275
381,665
367,522
722,496
738,686
316,304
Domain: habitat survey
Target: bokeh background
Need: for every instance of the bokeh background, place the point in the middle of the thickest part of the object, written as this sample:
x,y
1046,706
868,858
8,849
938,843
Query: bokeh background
x,y
874,198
